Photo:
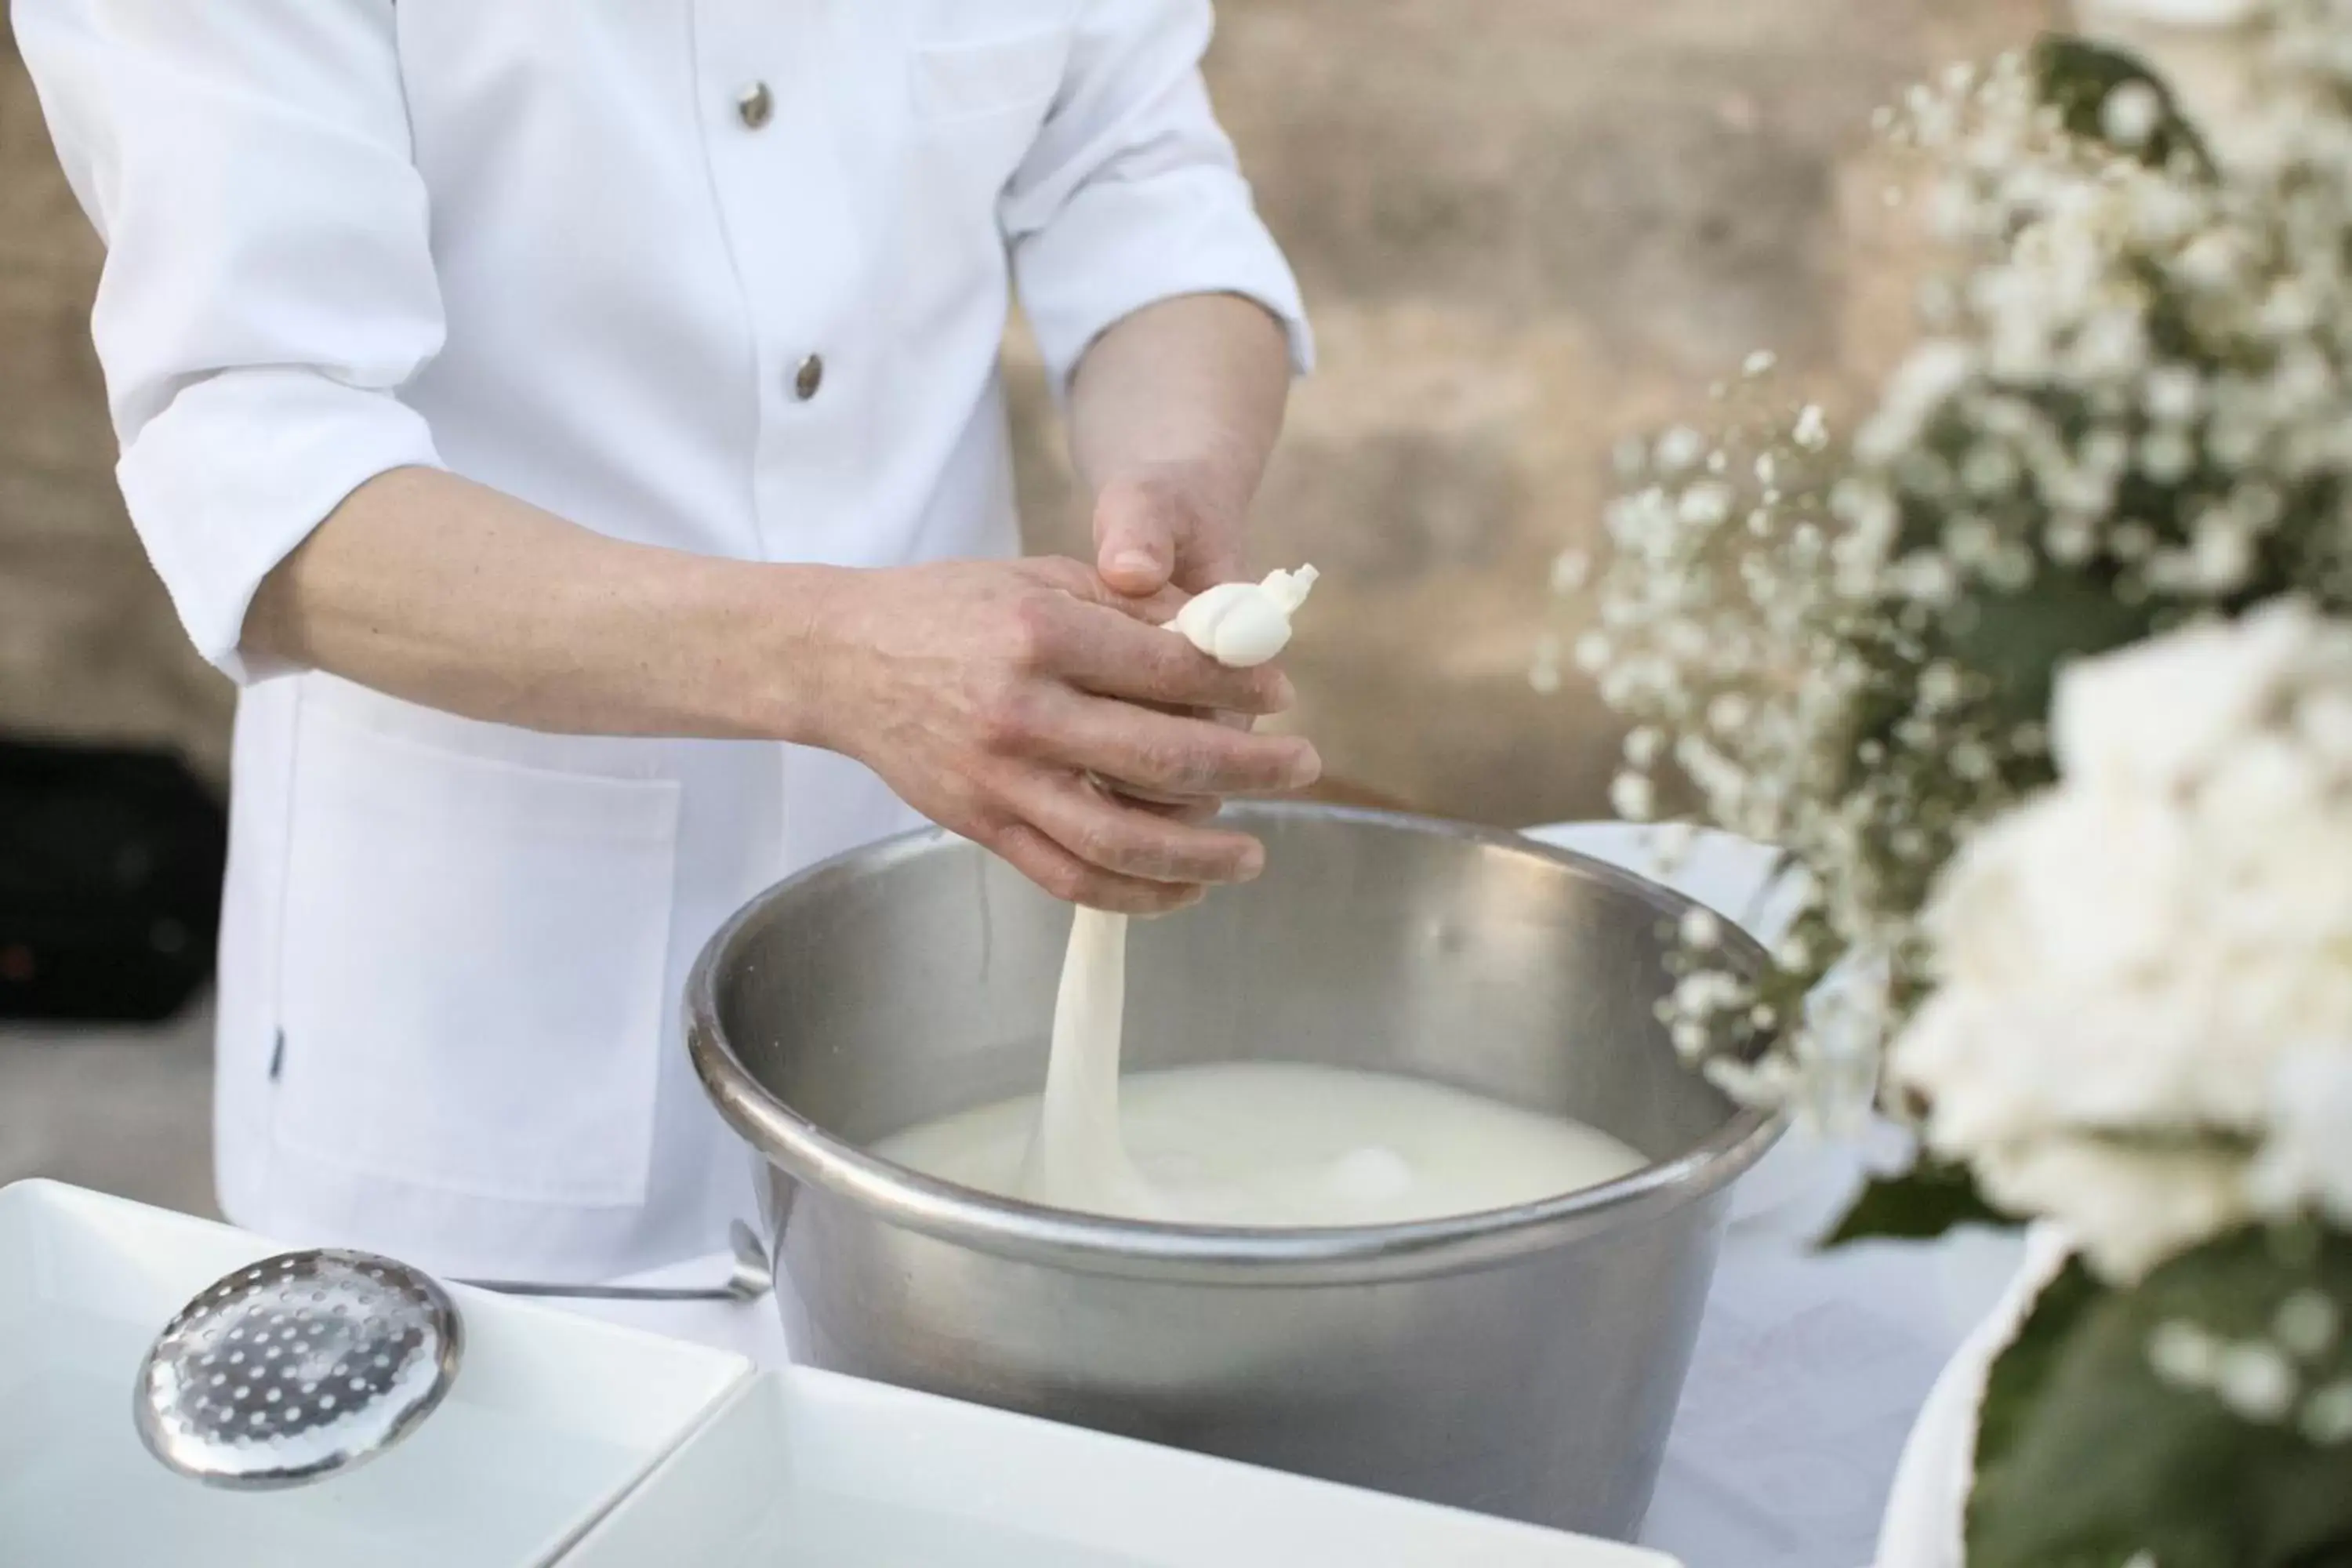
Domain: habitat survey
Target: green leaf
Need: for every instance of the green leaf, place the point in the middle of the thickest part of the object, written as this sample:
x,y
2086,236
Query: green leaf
x,y
1918,1207
2085,1458
2019,640
2076,78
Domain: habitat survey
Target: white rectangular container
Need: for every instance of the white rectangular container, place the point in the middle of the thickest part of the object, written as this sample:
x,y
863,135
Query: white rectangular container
x,y
802,1466
551,1420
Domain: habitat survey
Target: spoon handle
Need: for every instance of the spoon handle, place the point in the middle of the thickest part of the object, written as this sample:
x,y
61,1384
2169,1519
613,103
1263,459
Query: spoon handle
x,y
611,1292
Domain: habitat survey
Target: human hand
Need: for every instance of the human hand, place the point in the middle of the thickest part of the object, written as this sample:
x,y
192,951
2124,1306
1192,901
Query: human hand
x,y
991,695
1170,527
1167,526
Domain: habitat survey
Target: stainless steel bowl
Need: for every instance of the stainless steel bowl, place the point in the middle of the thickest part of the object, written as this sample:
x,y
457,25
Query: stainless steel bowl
x,y
1524,1362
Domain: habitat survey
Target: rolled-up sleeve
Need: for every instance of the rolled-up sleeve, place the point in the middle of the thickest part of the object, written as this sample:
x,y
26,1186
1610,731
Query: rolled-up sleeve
x,y
1131,193
268,286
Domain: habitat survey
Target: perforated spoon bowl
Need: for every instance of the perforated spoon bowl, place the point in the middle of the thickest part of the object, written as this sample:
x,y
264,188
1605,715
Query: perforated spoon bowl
x,y
308,1363
298,1367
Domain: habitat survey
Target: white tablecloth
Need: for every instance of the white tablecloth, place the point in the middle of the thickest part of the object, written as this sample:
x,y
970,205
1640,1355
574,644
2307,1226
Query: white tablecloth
x,y
1809,1367
1809,1370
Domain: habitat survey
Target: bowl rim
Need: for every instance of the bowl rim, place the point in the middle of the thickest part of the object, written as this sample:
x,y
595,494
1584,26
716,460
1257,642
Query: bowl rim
x,y
799,1148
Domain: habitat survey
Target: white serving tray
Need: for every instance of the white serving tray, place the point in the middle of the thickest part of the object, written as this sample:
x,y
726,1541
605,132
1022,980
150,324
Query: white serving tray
x,y
551,1420
807,1468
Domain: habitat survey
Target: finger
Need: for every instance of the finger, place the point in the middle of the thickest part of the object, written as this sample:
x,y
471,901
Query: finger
x,y
1102,833
1183,807
1138,531
1184,541
1193,808
1165,755
1085,584
1206,562
1117,655
1187,807
1072,880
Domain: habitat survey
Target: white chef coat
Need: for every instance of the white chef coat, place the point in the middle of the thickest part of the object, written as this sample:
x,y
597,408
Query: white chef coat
x,y
728,276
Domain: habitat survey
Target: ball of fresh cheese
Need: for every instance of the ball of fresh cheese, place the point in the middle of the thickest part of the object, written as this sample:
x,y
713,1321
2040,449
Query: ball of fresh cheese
x,y
1245,624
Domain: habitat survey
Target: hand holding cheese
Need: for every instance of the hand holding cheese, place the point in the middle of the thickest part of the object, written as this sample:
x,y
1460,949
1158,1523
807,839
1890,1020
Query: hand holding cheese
x,y
1017,703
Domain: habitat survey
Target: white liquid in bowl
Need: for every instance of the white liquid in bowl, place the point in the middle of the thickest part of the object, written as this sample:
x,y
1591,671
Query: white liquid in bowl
x,y
1287,1144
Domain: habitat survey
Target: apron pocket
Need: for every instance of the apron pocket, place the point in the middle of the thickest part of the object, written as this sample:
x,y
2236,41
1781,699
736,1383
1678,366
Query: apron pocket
x,y
472,970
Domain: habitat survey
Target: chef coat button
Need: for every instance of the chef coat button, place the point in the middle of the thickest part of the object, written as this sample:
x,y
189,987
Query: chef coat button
x,y
755,105
808,377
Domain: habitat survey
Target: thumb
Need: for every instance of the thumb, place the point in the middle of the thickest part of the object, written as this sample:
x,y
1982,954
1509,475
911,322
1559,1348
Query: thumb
x,y
1135,539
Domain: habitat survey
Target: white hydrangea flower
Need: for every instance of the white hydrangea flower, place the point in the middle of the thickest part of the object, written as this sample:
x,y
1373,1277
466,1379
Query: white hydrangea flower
x,y
2307,1157
2150,719
2181,12
2127,1211
2142,1021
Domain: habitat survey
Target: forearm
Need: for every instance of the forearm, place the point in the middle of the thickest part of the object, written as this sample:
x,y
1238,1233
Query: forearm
x,y
986,694
448,594
1186,395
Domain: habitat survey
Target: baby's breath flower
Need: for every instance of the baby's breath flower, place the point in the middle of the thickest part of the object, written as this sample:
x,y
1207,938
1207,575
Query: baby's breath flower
x,y
1989,470
1632,796
2166,456
2173,393
2306,1324
2184,1354
1671,843
2326,1418
1679,450
1543,673
2131,113
1812,431
1705,505
2255,1382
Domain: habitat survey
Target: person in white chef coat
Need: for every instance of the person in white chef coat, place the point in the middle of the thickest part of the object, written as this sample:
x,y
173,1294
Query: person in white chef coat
x,y
578,428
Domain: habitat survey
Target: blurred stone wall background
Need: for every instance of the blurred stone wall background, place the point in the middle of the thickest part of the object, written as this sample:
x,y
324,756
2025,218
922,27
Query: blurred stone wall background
x,y
1526,228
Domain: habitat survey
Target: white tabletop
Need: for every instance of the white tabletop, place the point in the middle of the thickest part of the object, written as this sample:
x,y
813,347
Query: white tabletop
x,y
1809,1367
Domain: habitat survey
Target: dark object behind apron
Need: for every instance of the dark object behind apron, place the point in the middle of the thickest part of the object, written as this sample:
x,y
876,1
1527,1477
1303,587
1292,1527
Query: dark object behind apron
x,y
110,863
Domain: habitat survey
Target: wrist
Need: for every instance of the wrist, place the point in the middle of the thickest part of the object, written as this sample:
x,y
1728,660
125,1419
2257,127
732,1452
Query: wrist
x,y
769,639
